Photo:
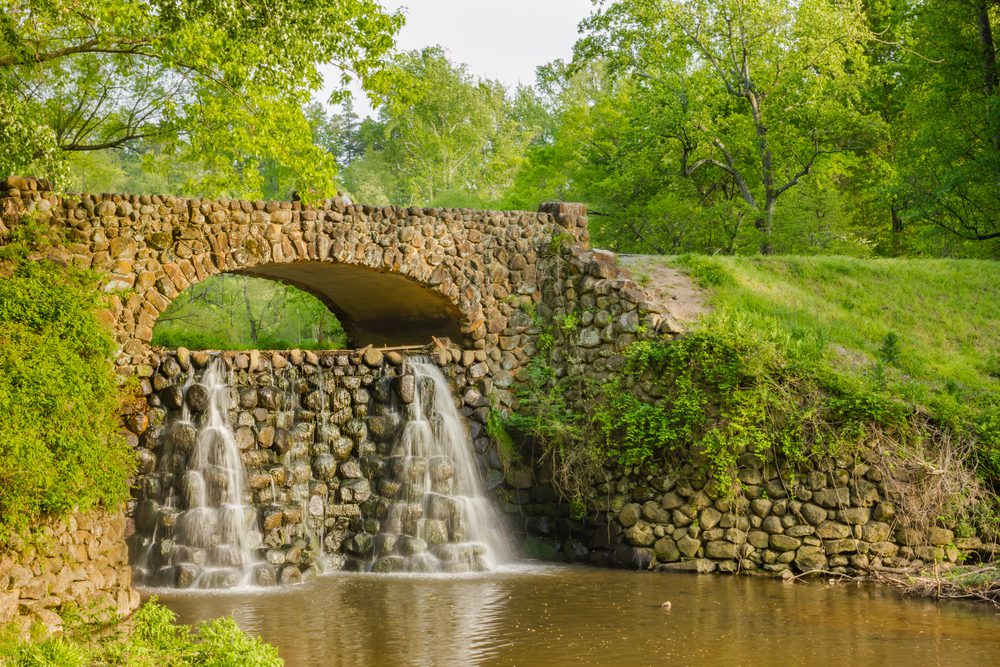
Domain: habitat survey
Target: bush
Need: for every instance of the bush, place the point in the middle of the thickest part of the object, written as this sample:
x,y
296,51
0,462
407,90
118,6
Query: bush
x,y
150,637
59,445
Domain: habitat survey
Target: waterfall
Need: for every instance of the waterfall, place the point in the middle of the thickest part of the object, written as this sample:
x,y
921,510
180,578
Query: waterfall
x,y
205,533
440,520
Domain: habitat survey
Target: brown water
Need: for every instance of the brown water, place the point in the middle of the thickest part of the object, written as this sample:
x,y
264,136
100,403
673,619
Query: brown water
x,y
561,615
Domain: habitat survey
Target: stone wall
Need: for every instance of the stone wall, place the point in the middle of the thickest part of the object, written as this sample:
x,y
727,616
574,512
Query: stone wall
x,y
315,431
80,561
839,518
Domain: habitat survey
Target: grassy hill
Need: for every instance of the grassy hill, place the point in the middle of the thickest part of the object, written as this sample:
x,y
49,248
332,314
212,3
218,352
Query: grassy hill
x,y
893,362
928,329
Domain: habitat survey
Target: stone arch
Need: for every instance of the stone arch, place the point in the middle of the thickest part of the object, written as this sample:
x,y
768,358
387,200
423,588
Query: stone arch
x,y
376,308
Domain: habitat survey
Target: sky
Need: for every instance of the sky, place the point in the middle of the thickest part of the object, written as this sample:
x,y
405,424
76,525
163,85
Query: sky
x,y
497,39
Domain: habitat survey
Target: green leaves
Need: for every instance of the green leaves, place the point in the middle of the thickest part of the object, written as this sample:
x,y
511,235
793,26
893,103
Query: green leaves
x,y
445,137
217,83
59,441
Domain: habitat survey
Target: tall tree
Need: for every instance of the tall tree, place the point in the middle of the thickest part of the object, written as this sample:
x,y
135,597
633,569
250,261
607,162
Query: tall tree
x,y
950,152
445,137
220,84
758,92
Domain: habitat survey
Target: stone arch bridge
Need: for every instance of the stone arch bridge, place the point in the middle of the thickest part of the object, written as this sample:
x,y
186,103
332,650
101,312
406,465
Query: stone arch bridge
x,y
393,275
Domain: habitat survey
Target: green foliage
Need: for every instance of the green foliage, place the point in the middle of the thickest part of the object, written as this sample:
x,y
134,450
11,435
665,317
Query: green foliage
x,y
496,429
231,312
151,636
888,351
59,445
631,429
443,137
219,89
782,368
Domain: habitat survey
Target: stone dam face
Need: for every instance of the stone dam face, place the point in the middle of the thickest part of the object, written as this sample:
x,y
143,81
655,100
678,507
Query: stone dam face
x,y
333,471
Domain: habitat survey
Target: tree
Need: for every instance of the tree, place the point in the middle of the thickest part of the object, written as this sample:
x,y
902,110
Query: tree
x,y
757,93
949,152
218,84
445,137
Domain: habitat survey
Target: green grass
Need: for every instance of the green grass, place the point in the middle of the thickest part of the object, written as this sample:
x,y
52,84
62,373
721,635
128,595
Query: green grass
x,y
838,311
799,359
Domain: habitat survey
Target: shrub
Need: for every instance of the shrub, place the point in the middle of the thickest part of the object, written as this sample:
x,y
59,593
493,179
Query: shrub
x,y
59,445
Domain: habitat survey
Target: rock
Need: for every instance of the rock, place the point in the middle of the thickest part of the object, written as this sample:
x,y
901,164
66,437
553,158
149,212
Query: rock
x,y
405,386
698,566
721,550
632,558
653,512
761,507
772,525
185,575
282,441
840,546
360,544
520,477
782,543
666,550
373,357
540,548
389,564
832,498
709,518
341,448
808,559
325,467
855,516
640,534
884,511
290,576
575,551
268,397
137,423
939,536
410,546
829,530
629,514
173,397
197,398
814,514
182,437
671,500
688,546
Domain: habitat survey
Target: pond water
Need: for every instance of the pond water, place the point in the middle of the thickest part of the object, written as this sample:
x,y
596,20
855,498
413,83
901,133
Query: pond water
x,y
567,615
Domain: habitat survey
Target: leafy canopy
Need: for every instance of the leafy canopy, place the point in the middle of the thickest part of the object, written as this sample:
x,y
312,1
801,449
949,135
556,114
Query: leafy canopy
x,y
219,83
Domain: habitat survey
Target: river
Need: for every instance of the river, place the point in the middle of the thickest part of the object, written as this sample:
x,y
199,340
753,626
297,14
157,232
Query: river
x,y
546,615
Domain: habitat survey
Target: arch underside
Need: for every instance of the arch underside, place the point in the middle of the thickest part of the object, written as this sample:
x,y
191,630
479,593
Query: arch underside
x,y
375,308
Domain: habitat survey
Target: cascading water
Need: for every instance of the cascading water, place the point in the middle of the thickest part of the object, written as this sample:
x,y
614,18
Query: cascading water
x,y
205,534
441,521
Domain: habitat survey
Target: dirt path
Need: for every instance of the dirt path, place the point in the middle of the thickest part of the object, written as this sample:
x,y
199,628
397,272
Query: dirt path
x,y
670,289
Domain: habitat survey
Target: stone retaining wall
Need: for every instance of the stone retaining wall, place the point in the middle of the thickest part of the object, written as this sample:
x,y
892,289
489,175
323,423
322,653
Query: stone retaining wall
x,y
80,561
839,519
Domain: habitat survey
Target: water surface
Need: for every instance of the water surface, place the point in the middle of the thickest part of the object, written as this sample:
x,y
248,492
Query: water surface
x,y
563,615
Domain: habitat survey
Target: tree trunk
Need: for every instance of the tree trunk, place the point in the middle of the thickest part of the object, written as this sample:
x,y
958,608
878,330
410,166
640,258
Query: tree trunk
x,y
246,303
991,78
765,223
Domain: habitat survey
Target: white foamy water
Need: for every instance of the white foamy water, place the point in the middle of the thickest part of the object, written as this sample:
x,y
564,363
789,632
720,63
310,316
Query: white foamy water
x,y
441,520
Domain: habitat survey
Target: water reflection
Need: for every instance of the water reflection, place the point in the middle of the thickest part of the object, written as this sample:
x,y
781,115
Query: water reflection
x,y
574,615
